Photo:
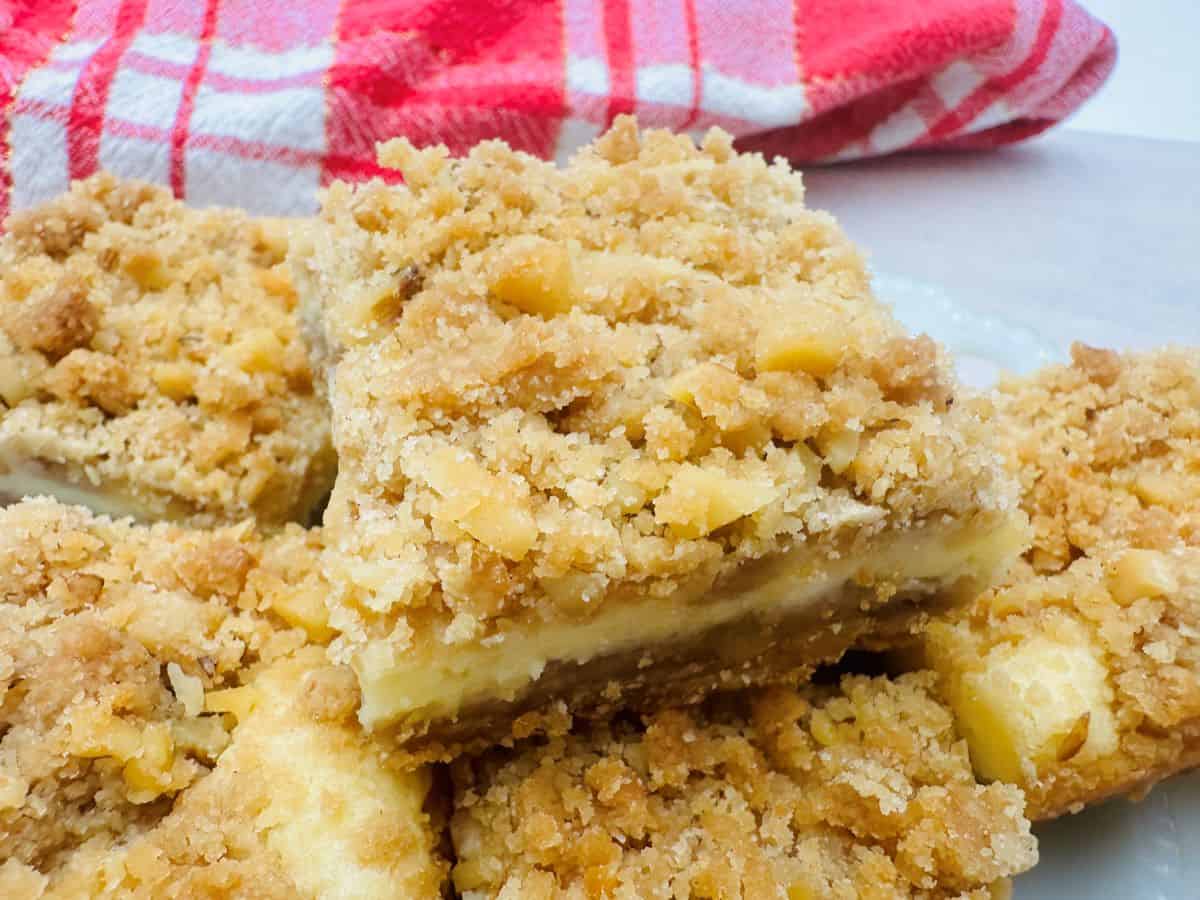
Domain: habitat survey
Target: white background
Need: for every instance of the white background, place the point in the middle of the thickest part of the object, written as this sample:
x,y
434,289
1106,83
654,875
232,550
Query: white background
x,y
1155,91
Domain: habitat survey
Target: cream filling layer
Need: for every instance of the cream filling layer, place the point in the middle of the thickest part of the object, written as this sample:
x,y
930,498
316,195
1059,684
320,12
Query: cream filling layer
x,y
431,686
328,791
34,480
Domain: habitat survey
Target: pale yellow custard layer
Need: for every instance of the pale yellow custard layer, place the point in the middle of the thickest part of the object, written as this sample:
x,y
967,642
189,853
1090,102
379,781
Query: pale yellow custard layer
x,y
446,681
28,478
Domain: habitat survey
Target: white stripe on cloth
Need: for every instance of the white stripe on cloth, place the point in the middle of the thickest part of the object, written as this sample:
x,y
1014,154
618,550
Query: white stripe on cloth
x,y
767,107
259,65
291,117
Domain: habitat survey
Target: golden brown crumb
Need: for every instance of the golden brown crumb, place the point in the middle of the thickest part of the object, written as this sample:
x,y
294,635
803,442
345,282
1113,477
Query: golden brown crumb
x,y
165,732
1079,676
1108,452
150,356
66,320
560,391
96,739
851,792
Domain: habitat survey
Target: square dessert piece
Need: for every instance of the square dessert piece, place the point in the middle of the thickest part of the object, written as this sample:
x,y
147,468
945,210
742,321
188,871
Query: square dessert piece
x,y
622,434
850,792
163,732
151,362
1079,677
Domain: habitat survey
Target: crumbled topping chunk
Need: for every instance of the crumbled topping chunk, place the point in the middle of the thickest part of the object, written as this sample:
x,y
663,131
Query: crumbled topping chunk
x,y
857,791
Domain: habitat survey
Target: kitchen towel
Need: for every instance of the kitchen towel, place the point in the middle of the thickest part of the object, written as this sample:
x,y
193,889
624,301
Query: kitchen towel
x,y
258,103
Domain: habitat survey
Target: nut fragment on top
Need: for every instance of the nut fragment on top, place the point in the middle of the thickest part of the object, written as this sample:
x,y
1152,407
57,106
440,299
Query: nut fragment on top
x,y
151,362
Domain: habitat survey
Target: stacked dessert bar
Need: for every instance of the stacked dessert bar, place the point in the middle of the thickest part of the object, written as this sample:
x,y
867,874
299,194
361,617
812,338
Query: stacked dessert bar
x,y
622,434
626,453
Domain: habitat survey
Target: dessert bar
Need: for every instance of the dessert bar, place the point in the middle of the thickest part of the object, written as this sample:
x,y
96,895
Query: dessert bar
x,y
623,433
1078,677
151,363
164,732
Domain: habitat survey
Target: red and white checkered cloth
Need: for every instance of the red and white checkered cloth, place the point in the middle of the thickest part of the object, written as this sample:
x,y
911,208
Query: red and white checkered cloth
x,y
258,102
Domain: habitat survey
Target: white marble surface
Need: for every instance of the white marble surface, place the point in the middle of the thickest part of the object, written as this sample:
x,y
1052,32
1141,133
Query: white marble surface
x,y
1007,257
1081,229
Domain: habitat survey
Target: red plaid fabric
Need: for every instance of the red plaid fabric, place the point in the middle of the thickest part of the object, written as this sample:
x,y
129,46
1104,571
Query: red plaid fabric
x,y
257,103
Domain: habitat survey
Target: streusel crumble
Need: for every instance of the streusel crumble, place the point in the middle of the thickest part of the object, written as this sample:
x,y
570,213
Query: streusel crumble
x,y
164,732
151,362
623,432
1079,677
852,792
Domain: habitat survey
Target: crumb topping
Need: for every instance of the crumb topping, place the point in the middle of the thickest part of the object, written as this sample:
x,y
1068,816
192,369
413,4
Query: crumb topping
x,y
111,635
153,349
857,791
1078,677
558,389
1108,452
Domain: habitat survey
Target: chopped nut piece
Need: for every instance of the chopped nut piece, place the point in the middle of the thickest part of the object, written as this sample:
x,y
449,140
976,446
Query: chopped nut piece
x,y
239,701
487,507
839,447
534,275
807,338
1158,488
175,380
189,690
699,501
148,771
146,268
258,351
1137,574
